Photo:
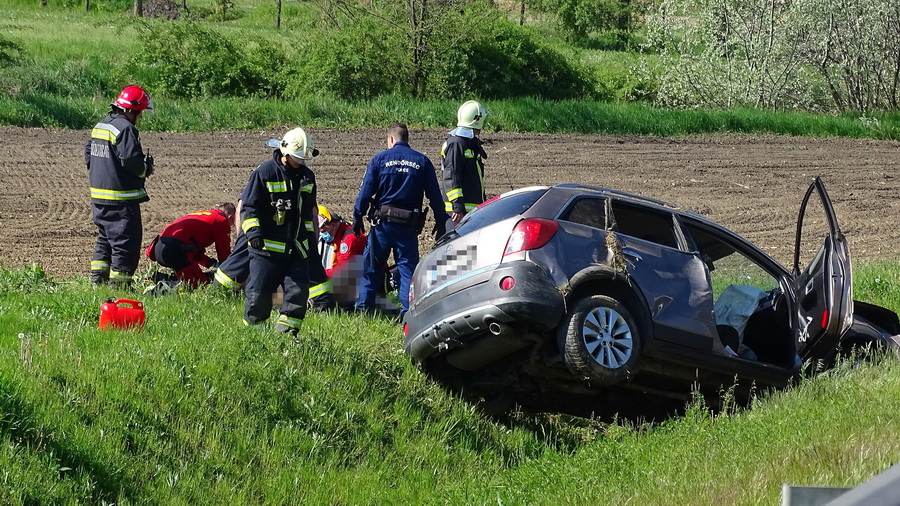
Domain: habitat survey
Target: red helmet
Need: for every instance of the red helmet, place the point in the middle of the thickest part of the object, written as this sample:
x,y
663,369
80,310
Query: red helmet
x,y
134,98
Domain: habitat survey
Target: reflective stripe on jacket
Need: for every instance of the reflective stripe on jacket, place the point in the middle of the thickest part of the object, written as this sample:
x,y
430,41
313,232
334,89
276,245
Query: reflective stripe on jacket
x,y
115,162
462,170
277,204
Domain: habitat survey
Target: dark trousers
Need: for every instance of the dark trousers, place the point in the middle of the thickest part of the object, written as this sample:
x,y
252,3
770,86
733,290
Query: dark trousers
x,y
180,256
384,238
118,247
236,268
266,274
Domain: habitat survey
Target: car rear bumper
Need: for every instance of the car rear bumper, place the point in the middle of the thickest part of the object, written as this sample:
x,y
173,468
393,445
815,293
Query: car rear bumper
x,y
459,315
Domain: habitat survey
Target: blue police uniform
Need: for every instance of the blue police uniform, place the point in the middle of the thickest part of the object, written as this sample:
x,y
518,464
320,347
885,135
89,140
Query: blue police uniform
x,y
393,188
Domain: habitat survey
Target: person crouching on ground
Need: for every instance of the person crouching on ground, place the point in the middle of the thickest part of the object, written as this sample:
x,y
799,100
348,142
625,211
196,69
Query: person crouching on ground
x,y
341,253
181,246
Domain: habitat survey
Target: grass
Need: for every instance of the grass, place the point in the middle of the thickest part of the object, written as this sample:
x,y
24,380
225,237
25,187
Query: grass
x,y
198,409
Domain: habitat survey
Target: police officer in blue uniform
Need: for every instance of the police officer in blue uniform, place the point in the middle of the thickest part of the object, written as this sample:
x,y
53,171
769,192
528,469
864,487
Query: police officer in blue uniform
x,y
278,202
392,192
117,168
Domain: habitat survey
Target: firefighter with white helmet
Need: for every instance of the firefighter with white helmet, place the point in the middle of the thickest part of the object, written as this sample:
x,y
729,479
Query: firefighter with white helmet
x,y
117,169
462,162
278,212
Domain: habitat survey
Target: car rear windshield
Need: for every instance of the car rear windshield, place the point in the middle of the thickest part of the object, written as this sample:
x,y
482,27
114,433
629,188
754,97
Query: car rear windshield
x,y
499,210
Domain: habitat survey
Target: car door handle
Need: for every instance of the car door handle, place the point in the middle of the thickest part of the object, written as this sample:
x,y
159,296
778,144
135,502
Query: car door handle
x,y
632,253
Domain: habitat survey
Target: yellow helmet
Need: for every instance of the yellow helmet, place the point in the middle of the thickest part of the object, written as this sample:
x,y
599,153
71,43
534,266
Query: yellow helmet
x,y
298,144
323,212
471,114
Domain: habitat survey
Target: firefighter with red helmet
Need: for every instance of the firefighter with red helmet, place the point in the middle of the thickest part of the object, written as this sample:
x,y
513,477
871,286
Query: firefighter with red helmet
x,y
117,169
181,246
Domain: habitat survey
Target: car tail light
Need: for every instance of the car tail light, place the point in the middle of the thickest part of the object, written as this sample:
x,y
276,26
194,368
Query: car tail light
x,y
405,330
530,233
507,283
825,319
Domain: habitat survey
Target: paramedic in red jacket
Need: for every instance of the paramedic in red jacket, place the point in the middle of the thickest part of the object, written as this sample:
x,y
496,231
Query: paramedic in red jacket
x,y
341,252
337,242
182,244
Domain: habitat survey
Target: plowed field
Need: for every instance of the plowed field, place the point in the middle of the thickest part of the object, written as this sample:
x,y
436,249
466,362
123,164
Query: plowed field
x,y
751,184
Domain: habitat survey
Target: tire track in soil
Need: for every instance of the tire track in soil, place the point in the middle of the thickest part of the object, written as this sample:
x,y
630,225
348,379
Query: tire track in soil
x,y
751,184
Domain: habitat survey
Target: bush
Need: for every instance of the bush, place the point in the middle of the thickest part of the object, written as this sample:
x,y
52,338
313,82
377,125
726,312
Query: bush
x,y
188,60
622,77
510,61
600,24
358,62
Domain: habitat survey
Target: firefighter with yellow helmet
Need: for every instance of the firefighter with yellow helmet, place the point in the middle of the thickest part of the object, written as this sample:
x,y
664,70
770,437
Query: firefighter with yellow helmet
x,y
462,163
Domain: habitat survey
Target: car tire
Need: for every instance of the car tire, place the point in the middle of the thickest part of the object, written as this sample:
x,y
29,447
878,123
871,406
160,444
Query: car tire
x,y
601,341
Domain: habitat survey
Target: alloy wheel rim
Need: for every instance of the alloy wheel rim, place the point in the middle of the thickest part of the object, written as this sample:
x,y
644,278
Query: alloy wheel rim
x,y
607,337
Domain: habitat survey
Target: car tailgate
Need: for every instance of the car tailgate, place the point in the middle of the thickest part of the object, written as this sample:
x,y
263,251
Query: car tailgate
x,y
465,261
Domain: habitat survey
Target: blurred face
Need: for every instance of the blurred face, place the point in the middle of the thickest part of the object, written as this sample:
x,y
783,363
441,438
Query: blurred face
x,y
290,161
330,227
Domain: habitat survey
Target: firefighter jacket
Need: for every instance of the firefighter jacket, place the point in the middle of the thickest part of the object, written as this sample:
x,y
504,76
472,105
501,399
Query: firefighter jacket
x,y
279,205
398,178
115,161
462,169
201,230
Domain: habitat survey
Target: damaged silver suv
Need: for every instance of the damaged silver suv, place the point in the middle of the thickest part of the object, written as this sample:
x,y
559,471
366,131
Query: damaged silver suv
x,y
589,300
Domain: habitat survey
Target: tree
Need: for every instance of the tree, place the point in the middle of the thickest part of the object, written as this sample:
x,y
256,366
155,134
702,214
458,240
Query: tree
x,y
428,28
139,8
779,54
277,14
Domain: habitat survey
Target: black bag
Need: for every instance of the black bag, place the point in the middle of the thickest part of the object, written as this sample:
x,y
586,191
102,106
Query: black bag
x,y
389,214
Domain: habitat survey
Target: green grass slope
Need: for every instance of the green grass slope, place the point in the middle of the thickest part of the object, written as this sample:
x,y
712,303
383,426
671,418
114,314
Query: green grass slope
x,y
198,409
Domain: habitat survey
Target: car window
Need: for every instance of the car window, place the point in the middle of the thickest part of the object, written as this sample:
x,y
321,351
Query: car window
x,y
643,223
499,210
587,211
727,266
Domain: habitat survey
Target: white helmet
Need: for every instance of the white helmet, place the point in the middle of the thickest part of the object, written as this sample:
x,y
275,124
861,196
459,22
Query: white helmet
x,y
471,115
298,144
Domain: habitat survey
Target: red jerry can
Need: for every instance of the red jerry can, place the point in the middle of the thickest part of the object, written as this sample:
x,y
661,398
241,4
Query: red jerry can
x,y
121,314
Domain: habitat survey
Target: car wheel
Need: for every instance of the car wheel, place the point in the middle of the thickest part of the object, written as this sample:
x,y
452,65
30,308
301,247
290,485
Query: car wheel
x,y
601,340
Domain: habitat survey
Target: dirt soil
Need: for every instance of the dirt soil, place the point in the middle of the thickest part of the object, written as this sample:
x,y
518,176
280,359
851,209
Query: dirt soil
x,y
751,184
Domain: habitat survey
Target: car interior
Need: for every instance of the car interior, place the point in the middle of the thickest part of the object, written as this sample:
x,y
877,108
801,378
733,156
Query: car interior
x,y
752,314
761,323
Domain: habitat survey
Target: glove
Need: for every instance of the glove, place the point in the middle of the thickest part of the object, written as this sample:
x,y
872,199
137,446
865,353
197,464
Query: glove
x,y
439,229
256,243
148,162
212,264
358,228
